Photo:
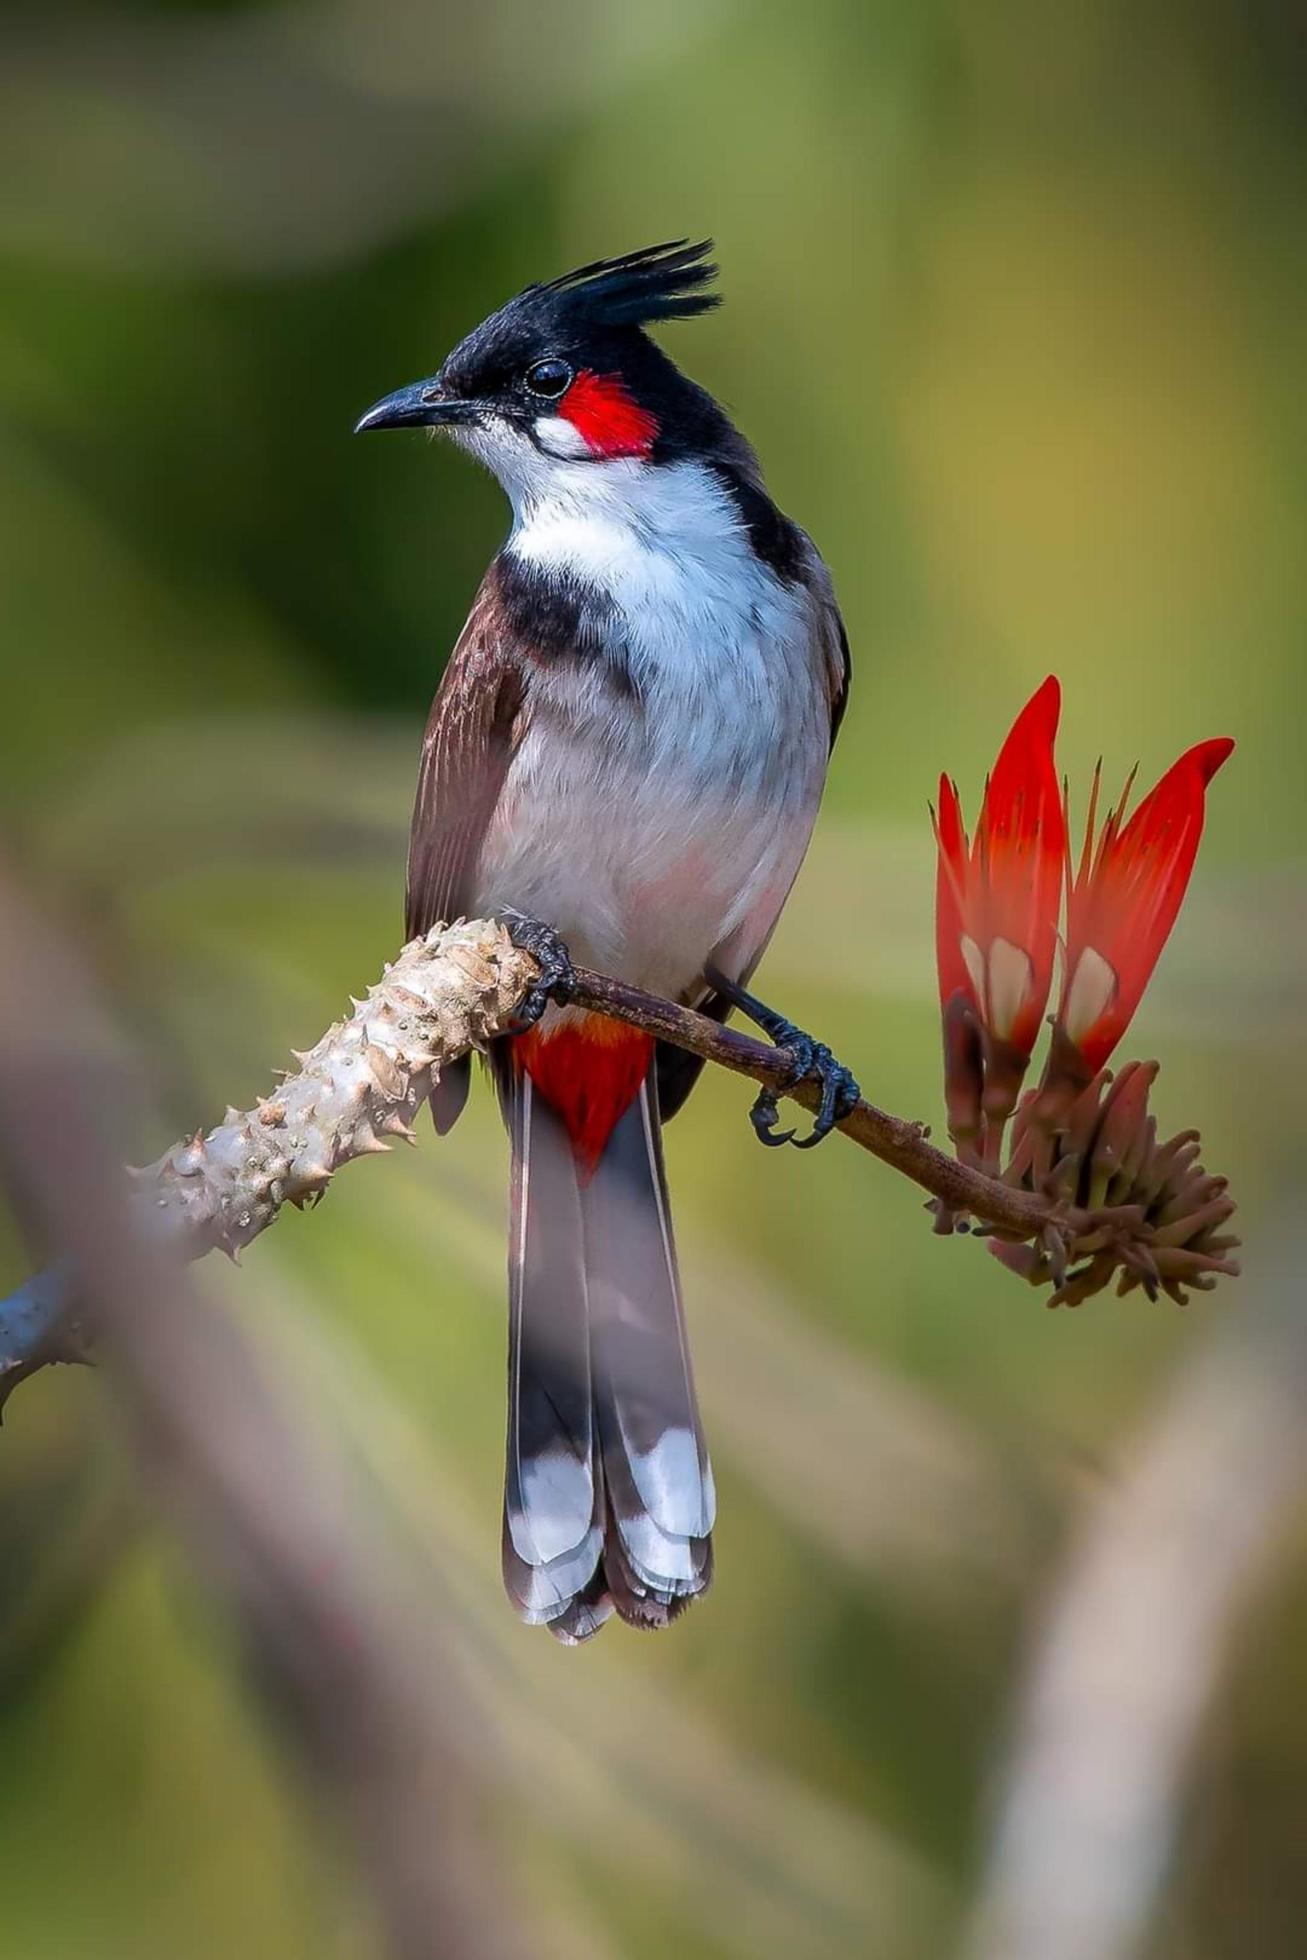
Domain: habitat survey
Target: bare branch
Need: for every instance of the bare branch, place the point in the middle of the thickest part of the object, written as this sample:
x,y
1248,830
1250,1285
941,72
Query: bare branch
x,y
361,1685
896,1140
361,1086
453,990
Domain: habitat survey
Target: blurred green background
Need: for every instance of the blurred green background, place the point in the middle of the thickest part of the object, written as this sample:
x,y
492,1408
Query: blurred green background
x,y
1014,317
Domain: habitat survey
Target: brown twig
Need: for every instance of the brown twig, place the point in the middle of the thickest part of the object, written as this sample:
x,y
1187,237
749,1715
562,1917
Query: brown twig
x,y
362,1085
897,1141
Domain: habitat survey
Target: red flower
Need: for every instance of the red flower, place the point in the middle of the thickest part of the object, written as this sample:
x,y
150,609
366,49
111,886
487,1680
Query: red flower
x,y
1123,900
997,903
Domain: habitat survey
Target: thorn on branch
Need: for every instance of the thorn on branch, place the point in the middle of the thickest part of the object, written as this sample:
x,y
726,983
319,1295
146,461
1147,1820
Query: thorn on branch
x,y
460,987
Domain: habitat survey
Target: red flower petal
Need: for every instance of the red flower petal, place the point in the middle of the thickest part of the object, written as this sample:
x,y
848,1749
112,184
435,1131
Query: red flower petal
x,y
1017,860
1125,898
996,907
950,896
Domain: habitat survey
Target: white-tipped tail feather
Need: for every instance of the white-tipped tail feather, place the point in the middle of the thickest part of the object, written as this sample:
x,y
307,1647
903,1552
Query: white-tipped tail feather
x,y
608,1502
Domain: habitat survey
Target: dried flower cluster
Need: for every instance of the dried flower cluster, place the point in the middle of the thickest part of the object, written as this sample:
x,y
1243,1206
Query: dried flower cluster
x,y
1126,1206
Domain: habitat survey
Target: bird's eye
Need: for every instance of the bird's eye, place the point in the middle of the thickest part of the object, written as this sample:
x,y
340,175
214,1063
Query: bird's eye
x,y
549,378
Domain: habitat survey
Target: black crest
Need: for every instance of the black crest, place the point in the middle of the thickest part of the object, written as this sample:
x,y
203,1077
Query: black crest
x,y
661,282
594,313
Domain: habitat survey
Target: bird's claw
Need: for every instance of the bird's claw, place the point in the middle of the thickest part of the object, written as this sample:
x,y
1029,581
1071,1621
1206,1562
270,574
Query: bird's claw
x,y
839,1090
763,1115
555,962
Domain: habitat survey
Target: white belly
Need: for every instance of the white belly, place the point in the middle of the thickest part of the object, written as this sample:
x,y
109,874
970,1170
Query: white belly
x,y
661,828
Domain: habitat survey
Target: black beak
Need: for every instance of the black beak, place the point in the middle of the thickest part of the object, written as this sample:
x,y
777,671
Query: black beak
x,y
422,405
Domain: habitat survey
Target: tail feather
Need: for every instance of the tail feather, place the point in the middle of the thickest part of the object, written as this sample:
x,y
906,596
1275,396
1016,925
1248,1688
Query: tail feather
x,y
542,1593
582,1619
660,1487
551,1504
642,1605
609,1497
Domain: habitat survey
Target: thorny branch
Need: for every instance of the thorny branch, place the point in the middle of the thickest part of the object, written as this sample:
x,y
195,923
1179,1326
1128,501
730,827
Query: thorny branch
x,y
362,1085
368,1702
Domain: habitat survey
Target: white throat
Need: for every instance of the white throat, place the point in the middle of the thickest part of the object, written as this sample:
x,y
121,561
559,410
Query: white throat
x,y
706,632
609,522
653,537
698,776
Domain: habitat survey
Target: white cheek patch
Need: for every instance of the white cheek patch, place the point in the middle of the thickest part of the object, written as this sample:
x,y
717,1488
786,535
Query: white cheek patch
x,y
559,437
509,454
493,442
533,474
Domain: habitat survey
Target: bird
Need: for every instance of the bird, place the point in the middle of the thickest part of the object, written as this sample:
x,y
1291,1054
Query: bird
x,y
623,762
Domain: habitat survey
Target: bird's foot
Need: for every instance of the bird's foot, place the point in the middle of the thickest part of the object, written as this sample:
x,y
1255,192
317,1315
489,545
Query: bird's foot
x,y
555,962
808,1059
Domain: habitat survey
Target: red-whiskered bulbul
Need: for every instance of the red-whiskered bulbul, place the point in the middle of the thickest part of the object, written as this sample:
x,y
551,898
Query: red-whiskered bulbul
x,y
629,744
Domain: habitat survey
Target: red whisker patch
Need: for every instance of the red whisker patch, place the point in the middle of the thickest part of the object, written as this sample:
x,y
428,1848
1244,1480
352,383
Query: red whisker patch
x,y
603,411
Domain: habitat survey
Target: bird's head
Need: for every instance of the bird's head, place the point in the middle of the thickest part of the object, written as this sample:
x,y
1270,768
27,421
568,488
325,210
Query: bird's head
x,y
564,379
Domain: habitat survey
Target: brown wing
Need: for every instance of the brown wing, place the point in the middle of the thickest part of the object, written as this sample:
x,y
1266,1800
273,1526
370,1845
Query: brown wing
x,y
839,667
471,733
470,736
832,640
